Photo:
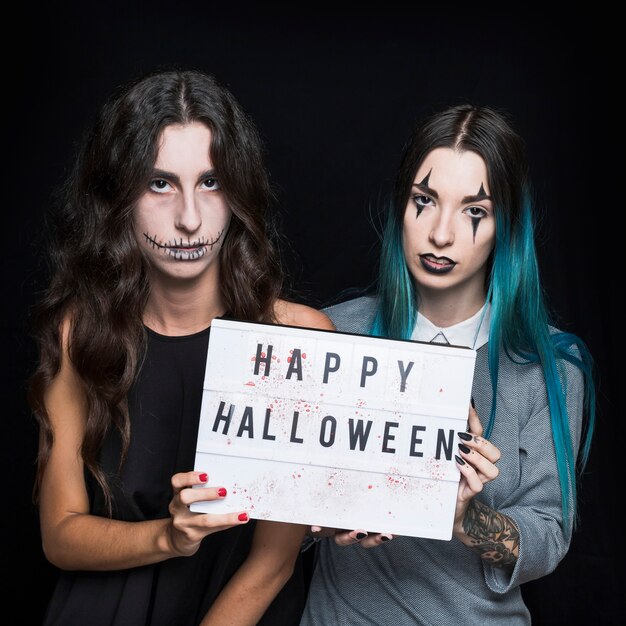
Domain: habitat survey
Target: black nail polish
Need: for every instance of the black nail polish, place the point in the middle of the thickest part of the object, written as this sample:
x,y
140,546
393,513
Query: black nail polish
x,y
464,448
360,536
472,401
384,538
465,436
459,460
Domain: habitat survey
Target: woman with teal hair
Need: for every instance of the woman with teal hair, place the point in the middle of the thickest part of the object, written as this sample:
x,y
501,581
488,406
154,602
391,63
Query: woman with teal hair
x,y
458,265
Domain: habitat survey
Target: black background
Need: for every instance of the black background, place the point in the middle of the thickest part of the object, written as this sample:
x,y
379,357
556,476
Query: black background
x,y
334,92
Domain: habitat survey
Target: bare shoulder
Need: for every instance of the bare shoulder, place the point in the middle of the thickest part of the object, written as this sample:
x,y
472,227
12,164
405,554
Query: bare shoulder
x,y
65,329
66,387
294,314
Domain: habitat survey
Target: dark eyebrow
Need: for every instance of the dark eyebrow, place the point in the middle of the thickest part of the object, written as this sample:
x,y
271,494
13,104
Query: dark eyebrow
x,y
426,189
476,198
481,195
174,177
165,175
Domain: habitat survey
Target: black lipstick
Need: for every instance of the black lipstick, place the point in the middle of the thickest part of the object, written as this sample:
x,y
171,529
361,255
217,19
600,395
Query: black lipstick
x,y
436,264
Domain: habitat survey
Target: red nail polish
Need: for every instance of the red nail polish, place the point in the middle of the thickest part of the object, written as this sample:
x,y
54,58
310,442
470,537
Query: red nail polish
x,y
242,517
221,492
203,478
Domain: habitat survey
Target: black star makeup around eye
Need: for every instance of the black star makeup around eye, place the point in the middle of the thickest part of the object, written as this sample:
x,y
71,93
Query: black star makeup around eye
x,y
423,186
475,222
424,181
481,195
419,208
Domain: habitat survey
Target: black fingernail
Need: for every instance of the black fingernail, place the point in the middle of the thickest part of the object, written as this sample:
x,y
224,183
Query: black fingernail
x,y
472,401
459,460
360,536
384,538
464,448
465,436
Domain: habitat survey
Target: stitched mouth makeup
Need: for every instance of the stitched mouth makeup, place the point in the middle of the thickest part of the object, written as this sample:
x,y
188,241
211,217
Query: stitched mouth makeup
x,y
436,264
183,250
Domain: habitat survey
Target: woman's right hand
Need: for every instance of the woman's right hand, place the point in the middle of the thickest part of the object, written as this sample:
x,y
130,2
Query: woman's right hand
x,y
187,529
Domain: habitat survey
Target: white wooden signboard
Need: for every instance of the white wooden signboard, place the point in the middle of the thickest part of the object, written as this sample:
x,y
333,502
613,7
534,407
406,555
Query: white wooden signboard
x,y
333,429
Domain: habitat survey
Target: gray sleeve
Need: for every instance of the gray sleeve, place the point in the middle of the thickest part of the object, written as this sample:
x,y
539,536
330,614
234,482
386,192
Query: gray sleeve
x,y
535,505
353,316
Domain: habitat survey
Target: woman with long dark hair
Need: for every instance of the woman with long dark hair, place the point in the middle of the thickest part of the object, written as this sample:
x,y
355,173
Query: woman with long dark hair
x,y
163,224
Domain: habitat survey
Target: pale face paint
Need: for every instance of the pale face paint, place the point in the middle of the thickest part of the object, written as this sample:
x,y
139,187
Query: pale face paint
x,y
182,218
444,248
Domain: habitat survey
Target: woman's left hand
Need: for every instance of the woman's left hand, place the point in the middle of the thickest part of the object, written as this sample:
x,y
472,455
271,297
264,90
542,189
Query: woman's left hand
x,y
344,537
478,458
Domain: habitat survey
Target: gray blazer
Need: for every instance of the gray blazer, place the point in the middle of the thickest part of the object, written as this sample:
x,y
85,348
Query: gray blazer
x,y
410,581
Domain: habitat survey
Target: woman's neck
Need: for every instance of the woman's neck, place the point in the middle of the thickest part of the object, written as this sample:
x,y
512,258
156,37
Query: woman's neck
x,y
178,307
444,309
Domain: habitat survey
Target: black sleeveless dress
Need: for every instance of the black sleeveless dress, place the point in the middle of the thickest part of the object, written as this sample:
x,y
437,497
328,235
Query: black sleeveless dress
x,y
164,406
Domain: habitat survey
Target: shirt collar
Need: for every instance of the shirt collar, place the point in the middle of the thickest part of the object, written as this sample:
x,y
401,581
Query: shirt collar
x,y
472,332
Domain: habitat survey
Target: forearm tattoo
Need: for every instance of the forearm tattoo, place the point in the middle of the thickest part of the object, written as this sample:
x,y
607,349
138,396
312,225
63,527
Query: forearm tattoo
x,y
493,535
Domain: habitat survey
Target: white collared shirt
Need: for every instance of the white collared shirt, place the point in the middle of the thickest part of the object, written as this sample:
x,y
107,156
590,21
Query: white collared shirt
x,y
472,332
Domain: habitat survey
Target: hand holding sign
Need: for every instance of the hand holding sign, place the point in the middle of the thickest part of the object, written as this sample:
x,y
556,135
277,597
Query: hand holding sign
x,y
186,529
345,537
479,457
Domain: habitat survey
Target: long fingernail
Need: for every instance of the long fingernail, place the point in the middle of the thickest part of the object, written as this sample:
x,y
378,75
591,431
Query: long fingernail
x,y
459,460
472,401
465,436
203,478
360,536
242,517
221,492
464,448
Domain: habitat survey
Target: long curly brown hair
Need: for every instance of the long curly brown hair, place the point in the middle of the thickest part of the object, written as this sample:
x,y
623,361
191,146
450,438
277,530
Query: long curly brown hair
x,y
99,277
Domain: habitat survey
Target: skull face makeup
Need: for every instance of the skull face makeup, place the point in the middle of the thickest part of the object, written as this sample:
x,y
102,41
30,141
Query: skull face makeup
x,y
182,218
